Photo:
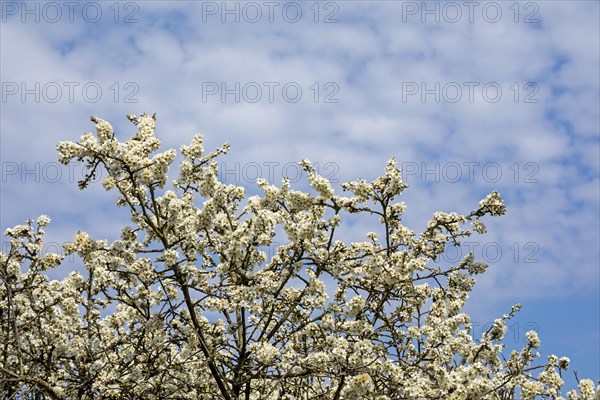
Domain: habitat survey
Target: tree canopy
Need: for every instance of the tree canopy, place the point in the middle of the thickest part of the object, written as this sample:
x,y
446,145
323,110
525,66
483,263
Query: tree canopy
x,y
187,304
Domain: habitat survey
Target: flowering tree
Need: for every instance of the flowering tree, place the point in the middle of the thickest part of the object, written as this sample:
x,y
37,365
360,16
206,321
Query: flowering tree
x,y
186,304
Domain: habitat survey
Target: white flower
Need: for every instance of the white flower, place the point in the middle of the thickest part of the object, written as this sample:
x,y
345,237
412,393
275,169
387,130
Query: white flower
x,y
43,220
355,306
563,362
170,257
359,387
533,339
83,242
493,204
479,226
586,389
498,330
264,352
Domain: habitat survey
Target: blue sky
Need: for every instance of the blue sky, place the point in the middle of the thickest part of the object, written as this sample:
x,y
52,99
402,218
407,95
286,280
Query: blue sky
x,y
468,97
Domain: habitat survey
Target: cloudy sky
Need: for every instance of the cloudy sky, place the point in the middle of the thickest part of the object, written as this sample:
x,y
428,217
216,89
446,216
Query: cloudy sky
x,y
469,97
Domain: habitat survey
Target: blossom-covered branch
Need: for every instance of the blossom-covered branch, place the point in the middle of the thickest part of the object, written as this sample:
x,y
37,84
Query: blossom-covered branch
x,y
187,304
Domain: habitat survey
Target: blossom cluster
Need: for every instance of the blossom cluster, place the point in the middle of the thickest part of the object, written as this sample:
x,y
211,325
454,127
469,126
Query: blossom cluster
x,y
187,305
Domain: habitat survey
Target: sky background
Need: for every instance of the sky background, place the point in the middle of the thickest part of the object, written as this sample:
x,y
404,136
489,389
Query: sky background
x,y
469,97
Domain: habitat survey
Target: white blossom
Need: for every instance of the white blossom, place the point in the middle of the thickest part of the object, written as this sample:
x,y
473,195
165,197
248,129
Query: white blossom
x,y
188,303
